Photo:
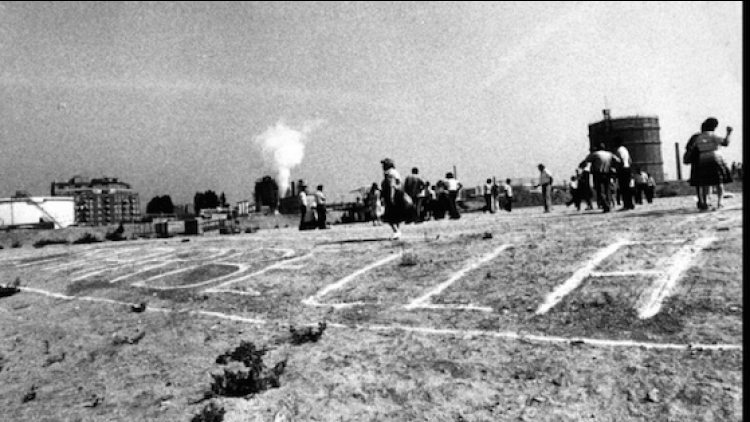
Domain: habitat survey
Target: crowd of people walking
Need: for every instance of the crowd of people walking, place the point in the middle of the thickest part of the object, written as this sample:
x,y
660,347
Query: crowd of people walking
x,y
412,199
609,176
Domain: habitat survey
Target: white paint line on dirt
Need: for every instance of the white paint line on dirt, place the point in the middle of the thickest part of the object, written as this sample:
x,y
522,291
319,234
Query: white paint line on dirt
x,y
664,285
278,265
658,242
83,298
90,256
96,272
231,317
142,270
552,339
74,263
314,299
250,292
145,283
18,255
425,299
575,280
626,273
436,306
423,330
160,250
149,308
41,261
216,254
114,267
335,305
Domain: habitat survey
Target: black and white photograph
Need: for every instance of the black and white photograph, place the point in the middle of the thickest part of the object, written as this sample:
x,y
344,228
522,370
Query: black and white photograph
x,y
371,211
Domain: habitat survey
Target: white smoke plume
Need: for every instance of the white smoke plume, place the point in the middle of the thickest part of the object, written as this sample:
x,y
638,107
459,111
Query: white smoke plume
x,y
284,148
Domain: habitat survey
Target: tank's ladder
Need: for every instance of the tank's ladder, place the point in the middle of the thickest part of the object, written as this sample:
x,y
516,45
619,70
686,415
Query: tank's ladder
x,y
31,201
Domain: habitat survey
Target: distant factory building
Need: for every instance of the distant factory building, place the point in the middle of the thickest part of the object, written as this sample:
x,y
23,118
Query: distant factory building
x,y
266,194
100,201
640,135
23,210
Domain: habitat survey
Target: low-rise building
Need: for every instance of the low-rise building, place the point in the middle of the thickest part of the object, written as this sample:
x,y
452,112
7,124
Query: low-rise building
x,y
243,208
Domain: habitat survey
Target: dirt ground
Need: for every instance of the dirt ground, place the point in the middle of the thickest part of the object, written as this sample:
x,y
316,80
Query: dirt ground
x,y
522,316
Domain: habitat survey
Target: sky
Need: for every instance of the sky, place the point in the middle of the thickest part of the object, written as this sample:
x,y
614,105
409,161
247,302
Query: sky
x,y
181,97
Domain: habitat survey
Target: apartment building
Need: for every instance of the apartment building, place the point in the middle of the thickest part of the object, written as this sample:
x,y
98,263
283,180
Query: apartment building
x,y
100,201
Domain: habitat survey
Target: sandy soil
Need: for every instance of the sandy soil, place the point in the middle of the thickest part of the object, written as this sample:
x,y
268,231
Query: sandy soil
x,y
444,325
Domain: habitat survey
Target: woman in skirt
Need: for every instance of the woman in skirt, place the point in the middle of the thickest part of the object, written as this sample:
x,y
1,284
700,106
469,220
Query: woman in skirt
x,y
708,167
398,205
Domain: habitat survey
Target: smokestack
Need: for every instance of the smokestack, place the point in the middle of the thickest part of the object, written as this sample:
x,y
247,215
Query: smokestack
x,y
678,160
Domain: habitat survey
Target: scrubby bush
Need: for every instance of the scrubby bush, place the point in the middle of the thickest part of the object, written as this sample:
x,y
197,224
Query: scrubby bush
x,y
16,244
246,353
114,236
255,379
307,334
86,238
44,242
409,259
210,413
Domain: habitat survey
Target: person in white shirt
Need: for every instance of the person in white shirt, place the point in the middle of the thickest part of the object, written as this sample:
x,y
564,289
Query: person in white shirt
x,y
575,194
641,185
601,169
393,198
495,191
487,193
624,174
320,200
453,186
583,175
545,181
302,206
413,185
650,188
508,192
423,197
375,203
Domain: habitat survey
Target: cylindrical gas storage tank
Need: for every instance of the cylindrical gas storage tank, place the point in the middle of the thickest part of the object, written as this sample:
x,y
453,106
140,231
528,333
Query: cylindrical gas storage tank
x,y
22,211
640,136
